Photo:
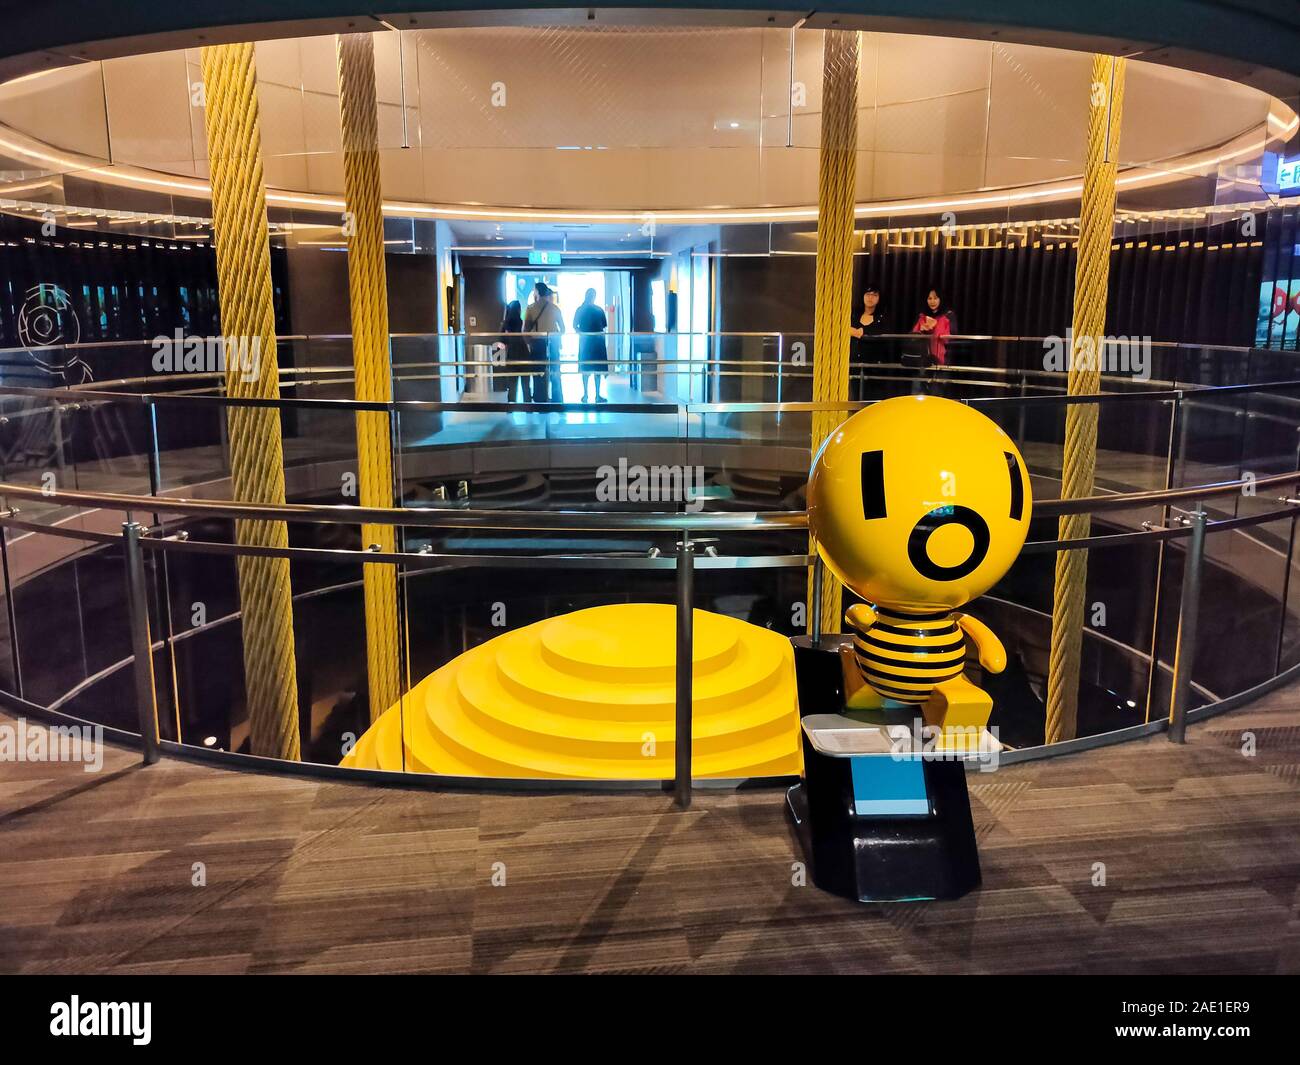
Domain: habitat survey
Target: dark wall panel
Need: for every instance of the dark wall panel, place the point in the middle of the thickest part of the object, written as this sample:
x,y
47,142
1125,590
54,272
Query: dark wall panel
x,y
1170,280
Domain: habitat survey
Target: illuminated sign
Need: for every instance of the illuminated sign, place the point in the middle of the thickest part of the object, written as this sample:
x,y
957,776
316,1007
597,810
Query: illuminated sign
x,y
543,258
1288,176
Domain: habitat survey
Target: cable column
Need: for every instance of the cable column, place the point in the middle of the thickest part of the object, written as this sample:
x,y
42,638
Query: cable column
x,y
240,235
1092,271
836,194
368,293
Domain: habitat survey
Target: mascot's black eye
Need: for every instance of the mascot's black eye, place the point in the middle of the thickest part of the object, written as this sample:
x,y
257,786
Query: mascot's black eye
x,y
1017,487
873,484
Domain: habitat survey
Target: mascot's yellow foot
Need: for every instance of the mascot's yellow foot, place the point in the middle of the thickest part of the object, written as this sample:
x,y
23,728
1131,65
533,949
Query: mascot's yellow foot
x,y
959,712
592,695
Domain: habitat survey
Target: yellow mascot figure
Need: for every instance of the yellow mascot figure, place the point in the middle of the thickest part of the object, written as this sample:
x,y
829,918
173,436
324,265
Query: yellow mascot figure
x,y
919,505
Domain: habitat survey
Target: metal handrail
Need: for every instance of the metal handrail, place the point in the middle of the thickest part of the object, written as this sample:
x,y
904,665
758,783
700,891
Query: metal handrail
x,y
455,517
81,395
485,334
432,517
344,373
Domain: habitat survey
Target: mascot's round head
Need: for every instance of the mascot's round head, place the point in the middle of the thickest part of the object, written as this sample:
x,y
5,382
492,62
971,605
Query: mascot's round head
x,y
919,502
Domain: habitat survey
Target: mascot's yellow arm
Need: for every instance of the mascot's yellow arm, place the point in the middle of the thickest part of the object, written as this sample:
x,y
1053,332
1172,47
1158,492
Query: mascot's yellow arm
x,y
992,655
860,616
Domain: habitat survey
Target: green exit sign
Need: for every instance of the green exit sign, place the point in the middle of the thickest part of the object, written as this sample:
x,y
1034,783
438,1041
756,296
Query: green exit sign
x,y
543,258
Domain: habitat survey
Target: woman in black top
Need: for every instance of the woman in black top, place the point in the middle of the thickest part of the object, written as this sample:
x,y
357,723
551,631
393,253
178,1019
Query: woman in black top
x,y
867,325
516,352
593,359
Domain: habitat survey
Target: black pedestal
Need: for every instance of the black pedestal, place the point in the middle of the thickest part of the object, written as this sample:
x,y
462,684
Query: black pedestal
x,y
817,674
877,856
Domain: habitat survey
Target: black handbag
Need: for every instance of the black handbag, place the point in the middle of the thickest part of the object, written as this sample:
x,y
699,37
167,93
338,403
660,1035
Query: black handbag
x,y
915,353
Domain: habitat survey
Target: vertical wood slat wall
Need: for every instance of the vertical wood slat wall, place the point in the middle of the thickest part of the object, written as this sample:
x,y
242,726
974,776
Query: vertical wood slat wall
x,y
1170,280
121,287
1205,290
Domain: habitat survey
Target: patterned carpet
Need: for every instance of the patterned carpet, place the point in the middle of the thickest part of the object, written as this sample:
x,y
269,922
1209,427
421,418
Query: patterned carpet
x,y
1200,847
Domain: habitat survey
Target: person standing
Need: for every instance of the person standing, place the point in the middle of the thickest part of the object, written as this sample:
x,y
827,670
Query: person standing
x,y
867,326
544,321
516,353
935,321
593,356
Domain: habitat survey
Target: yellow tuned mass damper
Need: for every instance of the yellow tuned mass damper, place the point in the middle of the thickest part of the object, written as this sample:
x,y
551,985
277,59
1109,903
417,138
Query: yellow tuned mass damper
x,y
591,695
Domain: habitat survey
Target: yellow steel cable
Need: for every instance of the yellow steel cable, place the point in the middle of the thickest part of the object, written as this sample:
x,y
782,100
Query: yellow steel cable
x,y
836,181
239,233
1096,225
368,292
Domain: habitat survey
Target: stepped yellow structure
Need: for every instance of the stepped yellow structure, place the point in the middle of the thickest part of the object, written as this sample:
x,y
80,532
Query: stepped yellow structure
x,y
590,695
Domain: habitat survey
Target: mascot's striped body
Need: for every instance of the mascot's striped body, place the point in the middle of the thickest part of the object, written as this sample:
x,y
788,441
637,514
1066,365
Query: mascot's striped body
x,y
904,654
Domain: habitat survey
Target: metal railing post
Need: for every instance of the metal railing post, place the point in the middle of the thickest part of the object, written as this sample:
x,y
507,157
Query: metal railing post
x,y
685,666
155,452
141,642
1157,630
1286,585
1020,422
780,366
818,566
1188,617
60,458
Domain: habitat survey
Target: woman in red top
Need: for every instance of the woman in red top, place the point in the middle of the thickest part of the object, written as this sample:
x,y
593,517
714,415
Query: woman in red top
x,y
936,320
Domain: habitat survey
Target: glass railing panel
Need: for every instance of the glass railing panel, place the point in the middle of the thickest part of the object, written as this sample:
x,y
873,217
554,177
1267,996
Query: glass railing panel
x,y
1240,609
192,437
1289,636
480,367
1211,437
1117,630
321,457
31,452
746,367
329,633
585,457
9,650
1037,425
980,367
742,585
425,370
1270,365
194,452
754,457
876,369
1271,442
331,643
487,699
1133,442
1203,365
681,366
71,627
203,618
99,446
318,368
157,576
